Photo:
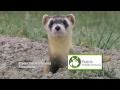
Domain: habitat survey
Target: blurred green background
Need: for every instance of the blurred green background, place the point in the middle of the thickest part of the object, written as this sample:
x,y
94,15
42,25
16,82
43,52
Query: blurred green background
x,y
93,28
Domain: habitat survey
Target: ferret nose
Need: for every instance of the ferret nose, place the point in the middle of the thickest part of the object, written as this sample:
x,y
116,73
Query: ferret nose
x,y
57,28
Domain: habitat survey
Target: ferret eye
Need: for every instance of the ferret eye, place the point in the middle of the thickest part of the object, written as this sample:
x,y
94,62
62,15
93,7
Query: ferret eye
x,y
51,24
65,23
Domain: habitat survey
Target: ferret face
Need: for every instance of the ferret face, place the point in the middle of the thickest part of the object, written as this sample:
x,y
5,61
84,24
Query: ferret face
x,y
58,26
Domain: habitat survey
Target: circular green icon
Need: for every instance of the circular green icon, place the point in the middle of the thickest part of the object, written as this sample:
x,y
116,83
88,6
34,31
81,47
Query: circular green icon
x,y
74,61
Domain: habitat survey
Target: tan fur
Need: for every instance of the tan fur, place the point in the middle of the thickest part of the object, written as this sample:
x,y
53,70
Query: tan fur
x,y
59,47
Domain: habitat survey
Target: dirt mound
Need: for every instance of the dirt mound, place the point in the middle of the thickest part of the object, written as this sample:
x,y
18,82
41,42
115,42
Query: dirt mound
x,y
14,50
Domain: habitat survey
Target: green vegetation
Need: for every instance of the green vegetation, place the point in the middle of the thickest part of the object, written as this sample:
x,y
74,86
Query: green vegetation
x,y
93,28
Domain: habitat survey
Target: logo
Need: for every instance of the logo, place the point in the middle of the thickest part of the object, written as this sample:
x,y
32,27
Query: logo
x,y
85,62
74,61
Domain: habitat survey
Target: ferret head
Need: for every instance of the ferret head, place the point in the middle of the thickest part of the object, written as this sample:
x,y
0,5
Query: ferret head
x,y
58,26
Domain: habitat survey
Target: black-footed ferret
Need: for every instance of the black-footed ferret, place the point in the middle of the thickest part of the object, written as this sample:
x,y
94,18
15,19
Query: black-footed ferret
x,y
59,30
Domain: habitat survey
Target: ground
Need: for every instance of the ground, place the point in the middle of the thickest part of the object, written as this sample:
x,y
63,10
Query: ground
x,y
15,49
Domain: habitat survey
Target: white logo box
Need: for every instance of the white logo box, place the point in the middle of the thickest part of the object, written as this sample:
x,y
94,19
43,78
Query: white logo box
x,y
87,62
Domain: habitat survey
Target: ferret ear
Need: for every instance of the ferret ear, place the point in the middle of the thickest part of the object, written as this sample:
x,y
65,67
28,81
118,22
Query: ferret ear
x,y
45,19
71,17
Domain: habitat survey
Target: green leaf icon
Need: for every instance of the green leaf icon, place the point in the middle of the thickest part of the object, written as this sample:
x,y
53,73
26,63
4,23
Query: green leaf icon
x,y
74,61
